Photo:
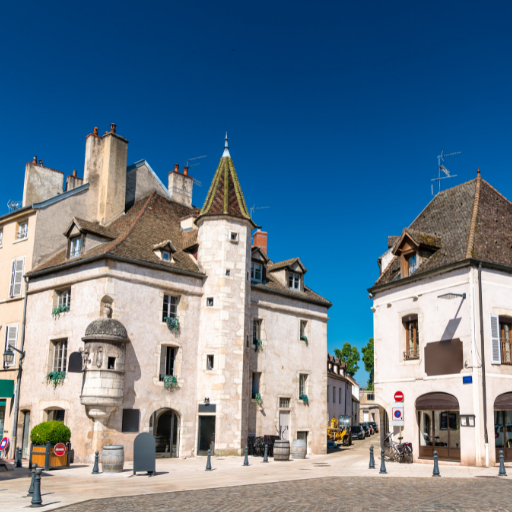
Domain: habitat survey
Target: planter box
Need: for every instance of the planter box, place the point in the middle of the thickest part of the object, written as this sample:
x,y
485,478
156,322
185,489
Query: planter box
x,y
44,457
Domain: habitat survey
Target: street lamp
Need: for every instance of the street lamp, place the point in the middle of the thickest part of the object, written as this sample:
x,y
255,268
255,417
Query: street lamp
x,y
449,296
9,355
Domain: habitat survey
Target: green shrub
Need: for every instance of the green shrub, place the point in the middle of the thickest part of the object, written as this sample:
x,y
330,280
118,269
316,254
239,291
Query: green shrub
x,y
53,431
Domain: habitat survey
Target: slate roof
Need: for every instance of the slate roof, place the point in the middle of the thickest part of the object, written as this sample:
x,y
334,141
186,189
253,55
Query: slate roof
x,y
150,221
470,221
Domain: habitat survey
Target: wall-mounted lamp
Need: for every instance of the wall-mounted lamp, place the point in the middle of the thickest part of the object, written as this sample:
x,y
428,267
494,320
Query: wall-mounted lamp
x,y
206,401
450,296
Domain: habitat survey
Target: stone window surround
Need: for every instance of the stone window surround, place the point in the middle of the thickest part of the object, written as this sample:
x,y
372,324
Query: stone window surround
x,y
204,361
261,386
234,239
55,296
307,331
289,408
49,348
17,231
403,337
501,312
178,362
298,373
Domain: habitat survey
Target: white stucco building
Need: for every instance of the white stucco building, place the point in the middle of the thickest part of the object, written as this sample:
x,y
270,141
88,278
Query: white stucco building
x,y
442,318
339,390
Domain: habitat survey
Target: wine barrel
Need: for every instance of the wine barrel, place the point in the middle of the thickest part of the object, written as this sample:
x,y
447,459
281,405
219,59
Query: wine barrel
x,y
299,449
281,450
112,459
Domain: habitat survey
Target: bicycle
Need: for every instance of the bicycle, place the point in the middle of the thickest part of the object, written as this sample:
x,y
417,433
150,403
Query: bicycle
x,y
397,452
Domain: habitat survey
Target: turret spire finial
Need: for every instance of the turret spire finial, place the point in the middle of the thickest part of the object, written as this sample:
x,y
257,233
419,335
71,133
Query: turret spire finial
x,y
226,147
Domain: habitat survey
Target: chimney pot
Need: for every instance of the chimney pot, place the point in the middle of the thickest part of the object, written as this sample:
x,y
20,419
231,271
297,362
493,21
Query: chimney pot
x,y
34,160
185,171
74,173
176,167
112,127
95,132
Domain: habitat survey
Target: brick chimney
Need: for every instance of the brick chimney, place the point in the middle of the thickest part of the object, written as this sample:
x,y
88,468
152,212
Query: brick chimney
x,y
259,239
180,186
105,171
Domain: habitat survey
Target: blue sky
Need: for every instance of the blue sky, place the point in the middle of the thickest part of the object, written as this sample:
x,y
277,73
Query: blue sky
x,y
335,111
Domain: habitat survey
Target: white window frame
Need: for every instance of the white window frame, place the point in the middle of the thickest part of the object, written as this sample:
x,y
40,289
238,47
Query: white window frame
x,y
303,329
294,281
254,268
59,355
75,249
1,236
22,231
64,298
303,384
11,340
256,330
16,277
173,302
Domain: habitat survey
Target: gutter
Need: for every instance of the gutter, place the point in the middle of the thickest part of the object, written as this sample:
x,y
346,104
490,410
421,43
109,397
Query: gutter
x,y
291,295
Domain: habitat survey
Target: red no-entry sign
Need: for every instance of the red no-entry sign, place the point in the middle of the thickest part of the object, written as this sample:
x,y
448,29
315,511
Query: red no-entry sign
x,y
399,396
60,449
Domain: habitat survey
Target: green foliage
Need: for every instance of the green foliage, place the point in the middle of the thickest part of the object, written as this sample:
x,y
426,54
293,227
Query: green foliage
x,y
304,339
259,345
304,398
53,431
368,362
350,355
258,399
173,323
170,382
55,378
61,309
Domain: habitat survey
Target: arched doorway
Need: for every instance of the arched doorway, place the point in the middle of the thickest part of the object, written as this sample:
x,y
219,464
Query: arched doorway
x,y
439,426
503,425
166,426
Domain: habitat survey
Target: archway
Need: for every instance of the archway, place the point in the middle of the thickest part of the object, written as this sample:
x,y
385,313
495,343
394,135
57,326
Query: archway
x,y
439,426
503,425
165,425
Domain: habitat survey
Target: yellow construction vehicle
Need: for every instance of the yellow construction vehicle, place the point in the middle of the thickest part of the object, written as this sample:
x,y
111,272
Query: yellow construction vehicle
x,y
339,431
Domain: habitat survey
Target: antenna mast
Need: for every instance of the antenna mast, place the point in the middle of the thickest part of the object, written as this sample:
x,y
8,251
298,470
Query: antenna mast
x,y
441,167
196,182
254,207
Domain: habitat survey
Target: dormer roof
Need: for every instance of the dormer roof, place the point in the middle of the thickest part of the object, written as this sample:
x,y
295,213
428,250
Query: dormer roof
x,y
84,226
417,239
166,244
286,264
258,254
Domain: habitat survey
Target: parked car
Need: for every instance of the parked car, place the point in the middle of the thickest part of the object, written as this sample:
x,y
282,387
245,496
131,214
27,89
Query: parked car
x,y
366,430
357,432
375,426
369,427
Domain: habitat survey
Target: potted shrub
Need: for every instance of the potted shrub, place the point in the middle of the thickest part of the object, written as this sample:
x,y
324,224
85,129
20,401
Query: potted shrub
x,y
44,437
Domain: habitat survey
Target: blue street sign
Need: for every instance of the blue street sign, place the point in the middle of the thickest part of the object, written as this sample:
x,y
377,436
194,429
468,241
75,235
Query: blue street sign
x,y
468,379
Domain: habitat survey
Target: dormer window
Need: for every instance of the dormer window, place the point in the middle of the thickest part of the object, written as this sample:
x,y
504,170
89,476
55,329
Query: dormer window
x,y
294,281
164,251
412,264
166,255
75,246
257,272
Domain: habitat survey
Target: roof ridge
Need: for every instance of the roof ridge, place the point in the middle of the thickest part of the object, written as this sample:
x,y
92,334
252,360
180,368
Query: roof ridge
x,y
497,192
472,227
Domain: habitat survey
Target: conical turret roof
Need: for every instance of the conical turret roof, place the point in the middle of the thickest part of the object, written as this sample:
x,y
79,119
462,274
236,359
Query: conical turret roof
x,y
225,196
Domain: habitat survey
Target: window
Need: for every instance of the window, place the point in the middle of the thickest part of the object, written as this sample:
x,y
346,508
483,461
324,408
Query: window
x,y
60,353
64,298
131,420
302,436
303,381
257,272
328,393
22,231
411,335
16,277
75,246
505,340
256,331
1,236
170,307
411,264
209,362
247,342
233,237
294,281
333,395
166,255
255,384
303,328
209,302
111,363
339,400
370,396
284,403
168,361
56,415
11,340
228,273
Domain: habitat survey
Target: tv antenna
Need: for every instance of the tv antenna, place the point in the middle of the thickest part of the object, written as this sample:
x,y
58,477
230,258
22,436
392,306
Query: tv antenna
x,y
254,207
14,205
442,168
196,182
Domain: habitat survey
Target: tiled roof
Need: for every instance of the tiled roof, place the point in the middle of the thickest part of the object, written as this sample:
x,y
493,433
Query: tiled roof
x,y
189,239
471,220
94,227
272,267
225,195
150,221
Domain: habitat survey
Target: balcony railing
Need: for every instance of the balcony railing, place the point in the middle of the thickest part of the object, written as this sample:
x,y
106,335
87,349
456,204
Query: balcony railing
x,y
412,353
506,352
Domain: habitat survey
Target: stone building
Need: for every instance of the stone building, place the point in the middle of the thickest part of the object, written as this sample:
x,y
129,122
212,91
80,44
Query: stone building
x,y
177,321
339,390
442,321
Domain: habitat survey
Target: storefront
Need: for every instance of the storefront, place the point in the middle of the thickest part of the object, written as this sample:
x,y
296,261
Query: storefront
x,y
6,395
439,426
503,426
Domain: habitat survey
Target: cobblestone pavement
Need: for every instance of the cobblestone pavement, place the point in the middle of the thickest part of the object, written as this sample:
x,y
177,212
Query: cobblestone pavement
x,y
325,494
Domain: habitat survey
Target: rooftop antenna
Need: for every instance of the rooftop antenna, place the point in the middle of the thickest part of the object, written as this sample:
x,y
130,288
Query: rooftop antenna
x,y
196,182
254,207
14,205
441,167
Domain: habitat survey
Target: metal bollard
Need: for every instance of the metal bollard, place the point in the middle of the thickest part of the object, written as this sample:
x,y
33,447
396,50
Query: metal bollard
x,y
372,460
502,465
382,463
265,456
36,497
31,488
18,457
95,469
208,462
436,465
246,459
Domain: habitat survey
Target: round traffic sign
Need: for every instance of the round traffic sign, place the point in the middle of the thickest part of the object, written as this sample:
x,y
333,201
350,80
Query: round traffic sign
x,y
398,414
59,449
399,396
3,443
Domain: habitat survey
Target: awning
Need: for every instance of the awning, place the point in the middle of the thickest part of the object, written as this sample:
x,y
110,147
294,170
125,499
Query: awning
x,y
503,402
6,388
437,402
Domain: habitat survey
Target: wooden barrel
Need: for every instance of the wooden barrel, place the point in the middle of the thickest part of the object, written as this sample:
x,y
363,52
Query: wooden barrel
x,y
112,459
281,450
299,449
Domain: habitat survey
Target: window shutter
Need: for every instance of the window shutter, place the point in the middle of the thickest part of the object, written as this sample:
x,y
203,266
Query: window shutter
x,y
163,355
11,339
17,277
495,339
13,275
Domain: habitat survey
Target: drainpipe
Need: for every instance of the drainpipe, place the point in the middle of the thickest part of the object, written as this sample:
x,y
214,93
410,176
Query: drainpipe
x,y
20,371
482,349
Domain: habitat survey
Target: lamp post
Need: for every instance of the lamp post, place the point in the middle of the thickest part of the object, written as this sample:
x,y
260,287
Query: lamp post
x,y
9,355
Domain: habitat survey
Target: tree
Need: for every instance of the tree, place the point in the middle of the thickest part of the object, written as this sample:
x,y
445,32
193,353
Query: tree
x,y
368,361
349,355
